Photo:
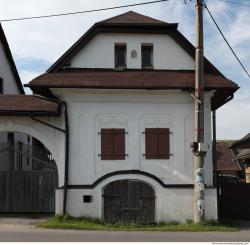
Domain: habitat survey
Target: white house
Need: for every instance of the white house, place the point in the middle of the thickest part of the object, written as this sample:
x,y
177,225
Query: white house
x,y
10,84
118,117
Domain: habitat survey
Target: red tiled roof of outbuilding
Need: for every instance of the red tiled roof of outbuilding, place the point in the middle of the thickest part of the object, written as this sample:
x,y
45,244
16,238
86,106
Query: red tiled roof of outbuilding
x,y
27,105
225,158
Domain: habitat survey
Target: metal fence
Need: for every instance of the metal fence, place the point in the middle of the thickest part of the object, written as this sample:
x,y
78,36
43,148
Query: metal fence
x,y
23,157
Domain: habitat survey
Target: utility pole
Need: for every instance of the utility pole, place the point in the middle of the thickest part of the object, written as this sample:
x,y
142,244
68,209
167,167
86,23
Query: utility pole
x,y
199,147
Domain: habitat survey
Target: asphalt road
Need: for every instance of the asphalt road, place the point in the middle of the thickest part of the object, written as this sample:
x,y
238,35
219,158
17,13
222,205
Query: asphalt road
x,y
24,231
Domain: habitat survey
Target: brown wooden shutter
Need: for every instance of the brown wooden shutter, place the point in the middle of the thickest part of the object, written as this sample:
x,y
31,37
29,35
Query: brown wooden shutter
x,y
151,143
119,143
157,143
113,144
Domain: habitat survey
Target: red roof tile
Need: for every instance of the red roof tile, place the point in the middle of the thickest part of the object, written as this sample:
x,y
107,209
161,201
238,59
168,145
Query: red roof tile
x,y
133,18
225,158
26,105
134,79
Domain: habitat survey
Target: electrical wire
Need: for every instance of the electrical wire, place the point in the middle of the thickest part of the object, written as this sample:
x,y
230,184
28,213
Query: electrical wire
x,y
81,12
241,4
210,14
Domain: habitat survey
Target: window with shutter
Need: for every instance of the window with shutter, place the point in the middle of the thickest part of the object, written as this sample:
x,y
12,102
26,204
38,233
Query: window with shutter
x,y
157,143
113,144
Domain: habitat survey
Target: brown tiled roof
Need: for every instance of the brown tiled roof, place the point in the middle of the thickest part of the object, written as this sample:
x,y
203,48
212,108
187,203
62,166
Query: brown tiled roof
x,y
243,143
134,79
133,18
225,158
25,105
243,154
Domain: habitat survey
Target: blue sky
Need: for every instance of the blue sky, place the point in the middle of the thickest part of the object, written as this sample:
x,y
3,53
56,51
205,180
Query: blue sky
x,y
37,44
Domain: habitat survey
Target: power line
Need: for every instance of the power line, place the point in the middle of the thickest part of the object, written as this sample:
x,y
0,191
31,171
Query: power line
x,y
81,12
236,3
226,40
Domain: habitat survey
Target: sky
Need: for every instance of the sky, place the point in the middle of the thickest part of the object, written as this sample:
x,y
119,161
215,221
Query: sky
x,y
37,44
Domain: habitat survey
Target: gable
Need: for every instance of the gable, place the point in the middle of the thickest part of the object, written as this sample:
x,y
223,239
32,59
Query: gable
x,y
99,52
8,72
132,23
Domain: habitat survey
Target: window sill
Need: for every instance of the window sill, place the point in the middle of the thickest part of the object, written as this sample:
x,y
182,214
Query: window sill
x,y
147,67
120,68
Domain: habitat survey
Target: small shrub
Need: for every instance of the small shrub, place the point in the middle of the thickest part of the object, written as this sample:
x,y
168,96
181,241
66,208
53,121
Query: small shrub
x,y
189,222
173,222
211,222
162,223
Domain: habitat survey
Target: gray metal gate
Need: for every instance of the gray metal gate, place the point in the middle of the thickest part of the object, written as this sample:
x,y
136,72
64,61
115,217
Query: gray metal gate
x,y
28,179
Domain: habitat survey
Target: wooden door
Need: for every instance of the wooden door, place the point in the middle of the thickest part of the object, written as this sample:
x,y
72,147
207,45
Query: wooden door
x,y
129,201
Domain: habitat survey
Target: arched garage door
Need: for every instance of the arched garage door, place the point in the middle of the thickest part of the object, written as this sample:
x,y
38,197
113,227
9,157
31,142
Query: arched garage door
x,y
129,201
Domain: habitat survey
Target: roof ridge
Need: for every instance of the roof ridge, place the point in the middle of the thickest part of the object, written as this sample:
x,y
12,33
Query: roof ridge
x,y
133,14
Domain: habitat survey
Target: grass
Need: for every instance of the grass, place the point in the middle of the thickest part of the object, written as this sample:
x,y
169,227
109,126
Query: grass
x,y
85,223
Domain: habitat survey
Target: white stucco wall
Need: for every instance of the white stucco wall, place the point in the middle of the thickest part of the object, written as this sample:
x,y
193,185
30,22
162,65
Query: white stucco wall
x,y
171,204
51,138
91,110
99,52
9,83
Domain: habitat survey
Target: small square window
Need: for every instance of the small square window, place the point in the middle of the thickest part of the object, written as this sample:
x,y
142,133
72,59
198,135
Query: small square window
x,y
120,56
147,56
87,198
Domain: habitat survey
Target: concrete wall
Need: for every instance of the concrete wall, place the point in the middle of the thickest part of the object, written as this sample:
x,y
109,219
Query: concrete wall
x,y
99,52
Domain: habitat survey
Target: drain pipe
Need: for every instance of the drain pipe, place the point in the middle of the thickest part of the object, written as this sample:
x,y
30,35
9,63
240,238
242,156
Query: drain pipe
x,y
214,149
66,132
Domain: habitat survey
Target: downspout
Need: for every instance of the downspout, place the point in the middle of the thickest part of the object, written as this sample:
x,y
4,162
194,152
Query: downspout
x,y
215,173
214,149
66,132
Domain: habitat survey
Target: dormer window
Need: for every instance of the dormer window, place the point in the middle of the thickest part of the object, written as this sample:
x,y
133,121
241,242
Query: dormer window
x,y
147,56
120,56
1,85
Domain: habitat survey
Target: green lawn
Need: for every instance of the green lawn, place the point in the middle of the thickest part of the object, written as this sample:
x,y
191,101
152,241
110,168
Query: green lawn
x,y
83,223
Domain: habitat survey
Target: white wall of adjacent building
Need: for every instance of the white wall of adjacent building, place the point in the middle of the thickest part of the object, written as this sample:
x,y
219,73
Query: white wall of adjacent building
x,y
9,82
9,87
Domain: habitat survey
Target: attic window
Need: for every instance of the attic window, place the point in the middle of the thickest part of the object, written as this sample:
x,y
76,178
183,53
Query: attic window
x,y
1,85
120,56
147,56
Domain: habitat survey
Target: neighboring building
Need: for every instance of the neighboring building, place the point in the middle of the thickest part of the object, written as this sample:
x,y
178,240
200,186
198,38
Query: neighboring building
x,y
10,83
126,155
227,167
242,152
